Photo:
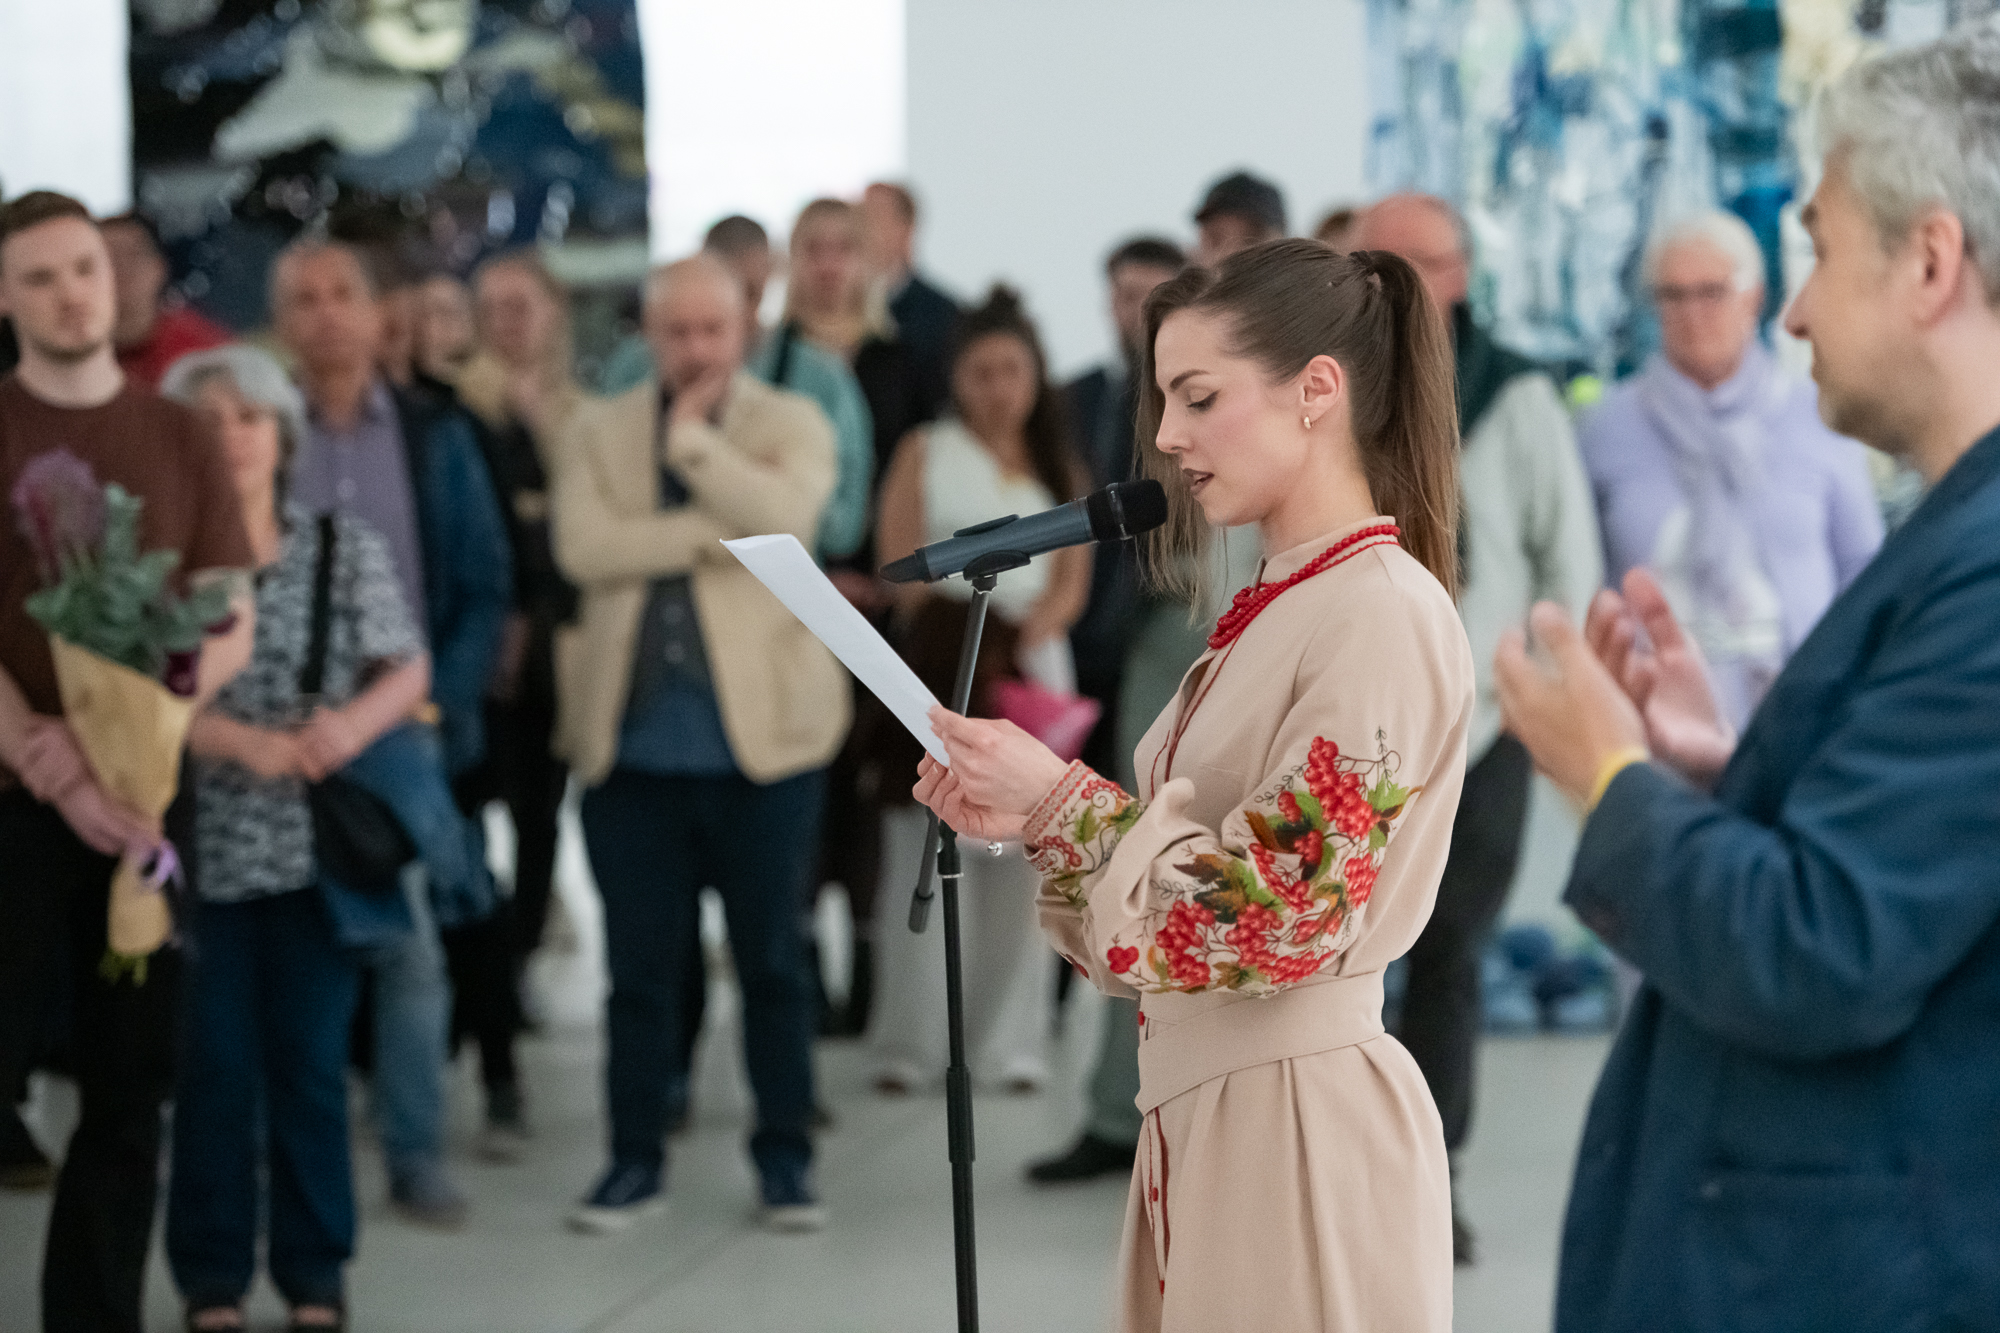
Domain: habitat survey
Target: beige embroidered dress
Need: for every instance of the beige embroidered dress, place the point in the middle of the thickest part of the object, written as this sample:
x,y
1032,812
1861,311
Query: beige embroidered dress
x,y
1296,807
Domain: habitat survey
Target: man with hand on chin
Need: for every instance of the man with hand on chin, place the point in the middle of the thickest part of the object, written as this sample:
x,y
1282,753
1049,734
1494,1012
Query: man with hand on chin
x,y
699,716
1796,1128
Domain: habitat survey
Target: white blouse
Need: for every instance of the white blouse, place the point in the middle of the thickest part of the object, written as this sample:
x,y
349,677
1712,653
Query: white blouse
x,y
964,486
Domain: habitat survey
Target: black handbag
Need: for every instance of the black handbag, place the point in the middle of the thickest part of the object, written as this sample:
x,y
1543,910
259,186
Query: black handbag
x,y
357,838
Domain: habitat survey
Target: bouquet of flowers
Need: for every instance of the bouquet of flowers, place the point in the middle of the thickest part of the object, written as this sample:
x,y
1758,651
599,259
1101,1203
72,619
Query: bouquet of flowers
x,y
125,648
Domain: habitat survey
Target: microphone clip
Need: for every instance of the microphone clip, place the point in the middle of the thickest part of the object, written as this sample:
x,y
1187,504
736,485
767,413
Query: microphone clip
x,y
992,565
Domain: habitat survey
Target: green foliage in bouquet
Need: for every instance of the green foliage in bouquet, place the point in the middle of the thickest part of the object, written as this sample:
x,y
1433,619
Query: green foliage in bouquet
x,y
101,592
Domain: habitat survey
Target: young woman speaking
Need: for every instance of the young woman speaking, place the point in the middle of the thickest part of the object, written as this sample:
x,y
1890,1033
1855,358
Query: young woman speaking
x,y
1295,807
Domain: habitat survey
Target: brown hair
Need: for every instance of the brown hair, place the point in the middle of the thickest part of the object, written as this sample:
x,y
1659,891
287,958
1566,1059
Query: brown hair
x,y
1286,302
36,207
1051,450
870,303
528,259
906,203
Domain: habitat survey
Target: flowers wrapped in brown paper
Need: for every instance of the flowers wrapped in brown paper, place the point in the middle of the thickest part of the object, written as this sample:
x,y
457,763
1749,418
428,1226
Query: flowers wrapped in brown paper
x,y
132,729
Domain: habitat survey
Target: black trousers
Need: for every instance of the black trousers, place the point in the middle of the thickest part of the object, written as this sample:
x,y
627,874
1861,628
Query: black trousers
x,y
487,957
1441,1008
53,895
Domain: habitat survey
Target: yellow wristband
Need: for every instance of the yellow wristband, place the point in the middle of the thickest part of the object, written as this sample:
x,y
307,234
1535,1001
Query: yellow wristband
x,y
1614,764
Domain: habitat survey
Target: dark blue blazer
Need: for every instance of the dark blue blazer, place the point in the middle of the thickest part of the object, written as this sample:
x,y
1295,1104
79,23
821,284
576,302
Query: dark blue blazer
x,y
468,565
927,323
1799,1126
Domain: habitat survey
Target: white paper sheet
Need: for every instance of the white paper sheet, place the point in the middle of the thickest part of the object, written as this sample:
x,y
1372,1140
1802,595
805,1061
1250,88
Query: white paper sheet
x,y
783,566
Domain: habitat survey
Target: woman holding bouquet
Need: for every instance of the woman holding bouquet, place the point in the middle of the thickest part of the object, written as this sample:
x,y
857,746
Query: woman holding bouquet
x,y
270,993
1294,811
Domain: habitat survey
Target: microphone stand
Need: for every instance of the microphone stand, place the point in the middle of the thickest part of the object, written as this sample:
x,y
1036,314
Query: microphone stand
x,y
942,843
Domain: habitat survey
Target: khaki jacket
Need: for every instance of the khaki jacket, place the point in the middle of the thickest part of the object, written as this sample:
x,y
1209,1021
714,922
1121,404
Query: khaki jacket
x,y
769,468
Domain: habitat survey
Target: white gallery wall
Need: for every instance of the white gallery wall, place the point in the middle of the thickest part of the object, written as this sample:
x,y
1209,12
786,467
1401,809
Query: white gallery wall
x,y
65,100
1042,132
759,106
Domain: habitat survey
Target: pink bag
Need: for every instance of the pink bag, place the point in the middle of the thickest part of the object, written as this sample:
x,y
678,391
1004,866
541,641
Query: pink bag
x,y
1060,721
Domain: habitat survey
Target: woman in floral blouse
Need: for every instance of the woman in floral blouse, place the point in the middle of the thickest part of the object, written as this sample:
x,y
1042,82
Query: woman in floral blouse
x,y
1294,811
269,993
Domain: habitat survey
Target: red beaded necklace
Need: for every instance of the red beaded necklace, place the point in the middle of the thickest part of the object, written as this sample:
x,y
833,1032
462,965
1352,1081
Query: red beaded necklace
x,y
1253,599
1244,609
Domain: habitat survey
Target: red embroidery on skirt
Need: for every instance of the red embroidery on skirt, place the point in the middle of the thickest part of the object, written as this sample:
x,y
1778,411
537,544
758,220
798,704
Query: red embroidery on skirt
x,y
1166,1226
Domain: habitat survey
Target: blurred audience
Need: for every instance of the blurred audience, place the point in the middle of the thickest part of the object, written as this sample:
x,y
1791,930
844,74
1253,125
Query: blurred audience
x,y
1714,471
1006,450
1239,211
520,389
153,331
829,302
1795,1129
922,314
260,1106
1102,403
62,833
785,359
700,718
1527,533
411,469
444,332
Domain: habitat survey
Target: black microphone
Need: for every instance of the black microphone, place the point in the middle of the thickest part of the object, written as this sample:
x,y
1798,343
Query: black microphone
x,y
1122,509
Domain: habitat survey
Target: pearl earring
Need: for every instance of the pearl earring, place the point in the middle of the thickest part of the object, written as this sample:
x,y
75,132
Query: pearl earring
x,y
1308,421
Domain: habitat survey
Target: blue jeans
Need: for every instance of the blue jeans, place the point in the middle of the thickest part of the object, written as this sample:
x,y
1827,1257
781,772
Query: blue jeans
x,y
269,996
655,842
412,1029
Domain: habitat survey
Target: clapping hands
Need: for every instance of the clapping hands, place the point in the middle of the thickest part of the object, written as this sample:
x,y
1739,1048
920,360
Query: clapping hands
x,y
1667,680
1603,692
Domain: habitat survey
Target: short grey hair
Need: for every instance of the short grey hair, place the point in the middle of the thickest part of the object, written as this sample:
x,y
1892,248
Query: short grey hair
x,y
1719,230
1918,129
311,246
253,373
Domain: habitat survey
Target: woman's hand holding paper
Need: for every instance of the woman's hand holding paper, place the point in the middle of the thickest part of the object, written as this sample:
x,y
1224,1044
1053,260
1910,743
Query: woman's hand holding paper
x,y
998,775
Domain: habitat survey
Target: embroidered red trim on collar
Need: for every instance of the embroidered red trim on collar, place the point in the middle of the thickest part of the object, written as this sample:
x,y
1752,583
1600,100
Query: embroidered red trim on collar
x,y
1253,599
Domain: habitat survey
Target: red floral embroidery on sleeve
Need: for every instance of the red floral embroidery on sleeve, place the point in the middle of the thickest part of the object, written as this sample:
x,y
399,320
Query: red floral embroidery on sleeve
x,y
1273,912
1073,832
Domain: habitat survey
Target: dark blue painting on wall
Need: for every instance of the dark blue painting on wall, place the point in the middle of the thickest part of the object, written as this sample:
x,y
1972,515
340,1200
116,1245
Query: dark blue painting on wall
x,y
480,123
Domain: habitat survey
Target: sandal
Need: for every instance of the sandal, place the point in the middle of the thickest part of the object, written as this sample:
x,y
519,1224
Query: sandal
x,y
339,1324
195,1313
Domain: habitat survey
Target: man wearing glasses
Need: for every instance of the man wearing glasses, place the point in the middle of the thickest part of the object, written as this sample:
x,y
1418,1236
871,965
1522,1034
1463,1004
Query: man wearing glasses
x,y
1713,470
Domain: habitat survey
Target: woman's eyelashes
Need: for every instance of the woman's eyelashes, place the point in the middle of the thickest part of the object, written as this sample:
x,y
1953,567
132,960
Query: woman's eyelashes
x,y
1201,404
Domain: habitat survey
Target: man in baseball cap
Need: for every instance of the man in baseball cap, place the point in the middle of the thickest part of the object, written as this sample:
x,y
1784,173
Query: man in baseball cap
x,y
1239,211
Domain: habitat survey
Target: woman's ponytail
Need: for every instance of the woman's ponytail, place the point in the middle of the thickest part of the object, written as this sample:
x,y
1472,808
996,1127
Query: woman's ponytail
x,y
1409,449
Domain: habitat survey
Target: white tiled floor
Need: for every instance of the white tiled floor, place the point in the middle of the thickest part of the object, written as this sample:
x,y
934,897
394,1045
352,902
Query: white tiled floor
x,y
885,1263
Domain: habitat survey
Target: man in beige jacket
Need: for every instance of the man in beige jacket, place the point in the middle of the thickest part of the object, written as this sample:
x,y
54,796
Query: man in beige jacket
x,y
700,715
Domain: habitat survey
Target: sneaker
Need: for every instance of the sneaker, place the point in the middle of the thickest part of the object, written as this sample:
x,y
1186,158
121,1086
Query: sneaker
x,y
789,1204
1090,1158
504,1139
627,1192
422,1194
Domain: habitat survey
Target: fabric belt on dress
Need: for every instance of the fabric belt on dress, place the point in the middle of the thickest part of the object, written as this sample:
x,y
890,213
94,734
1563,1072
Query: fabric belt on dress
x,y
1176,1054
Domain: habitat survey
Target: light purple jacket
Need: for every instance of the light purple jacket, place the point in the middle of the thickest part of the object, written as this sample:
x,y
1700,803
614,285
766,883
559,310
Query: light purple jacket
x,y
1812,515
